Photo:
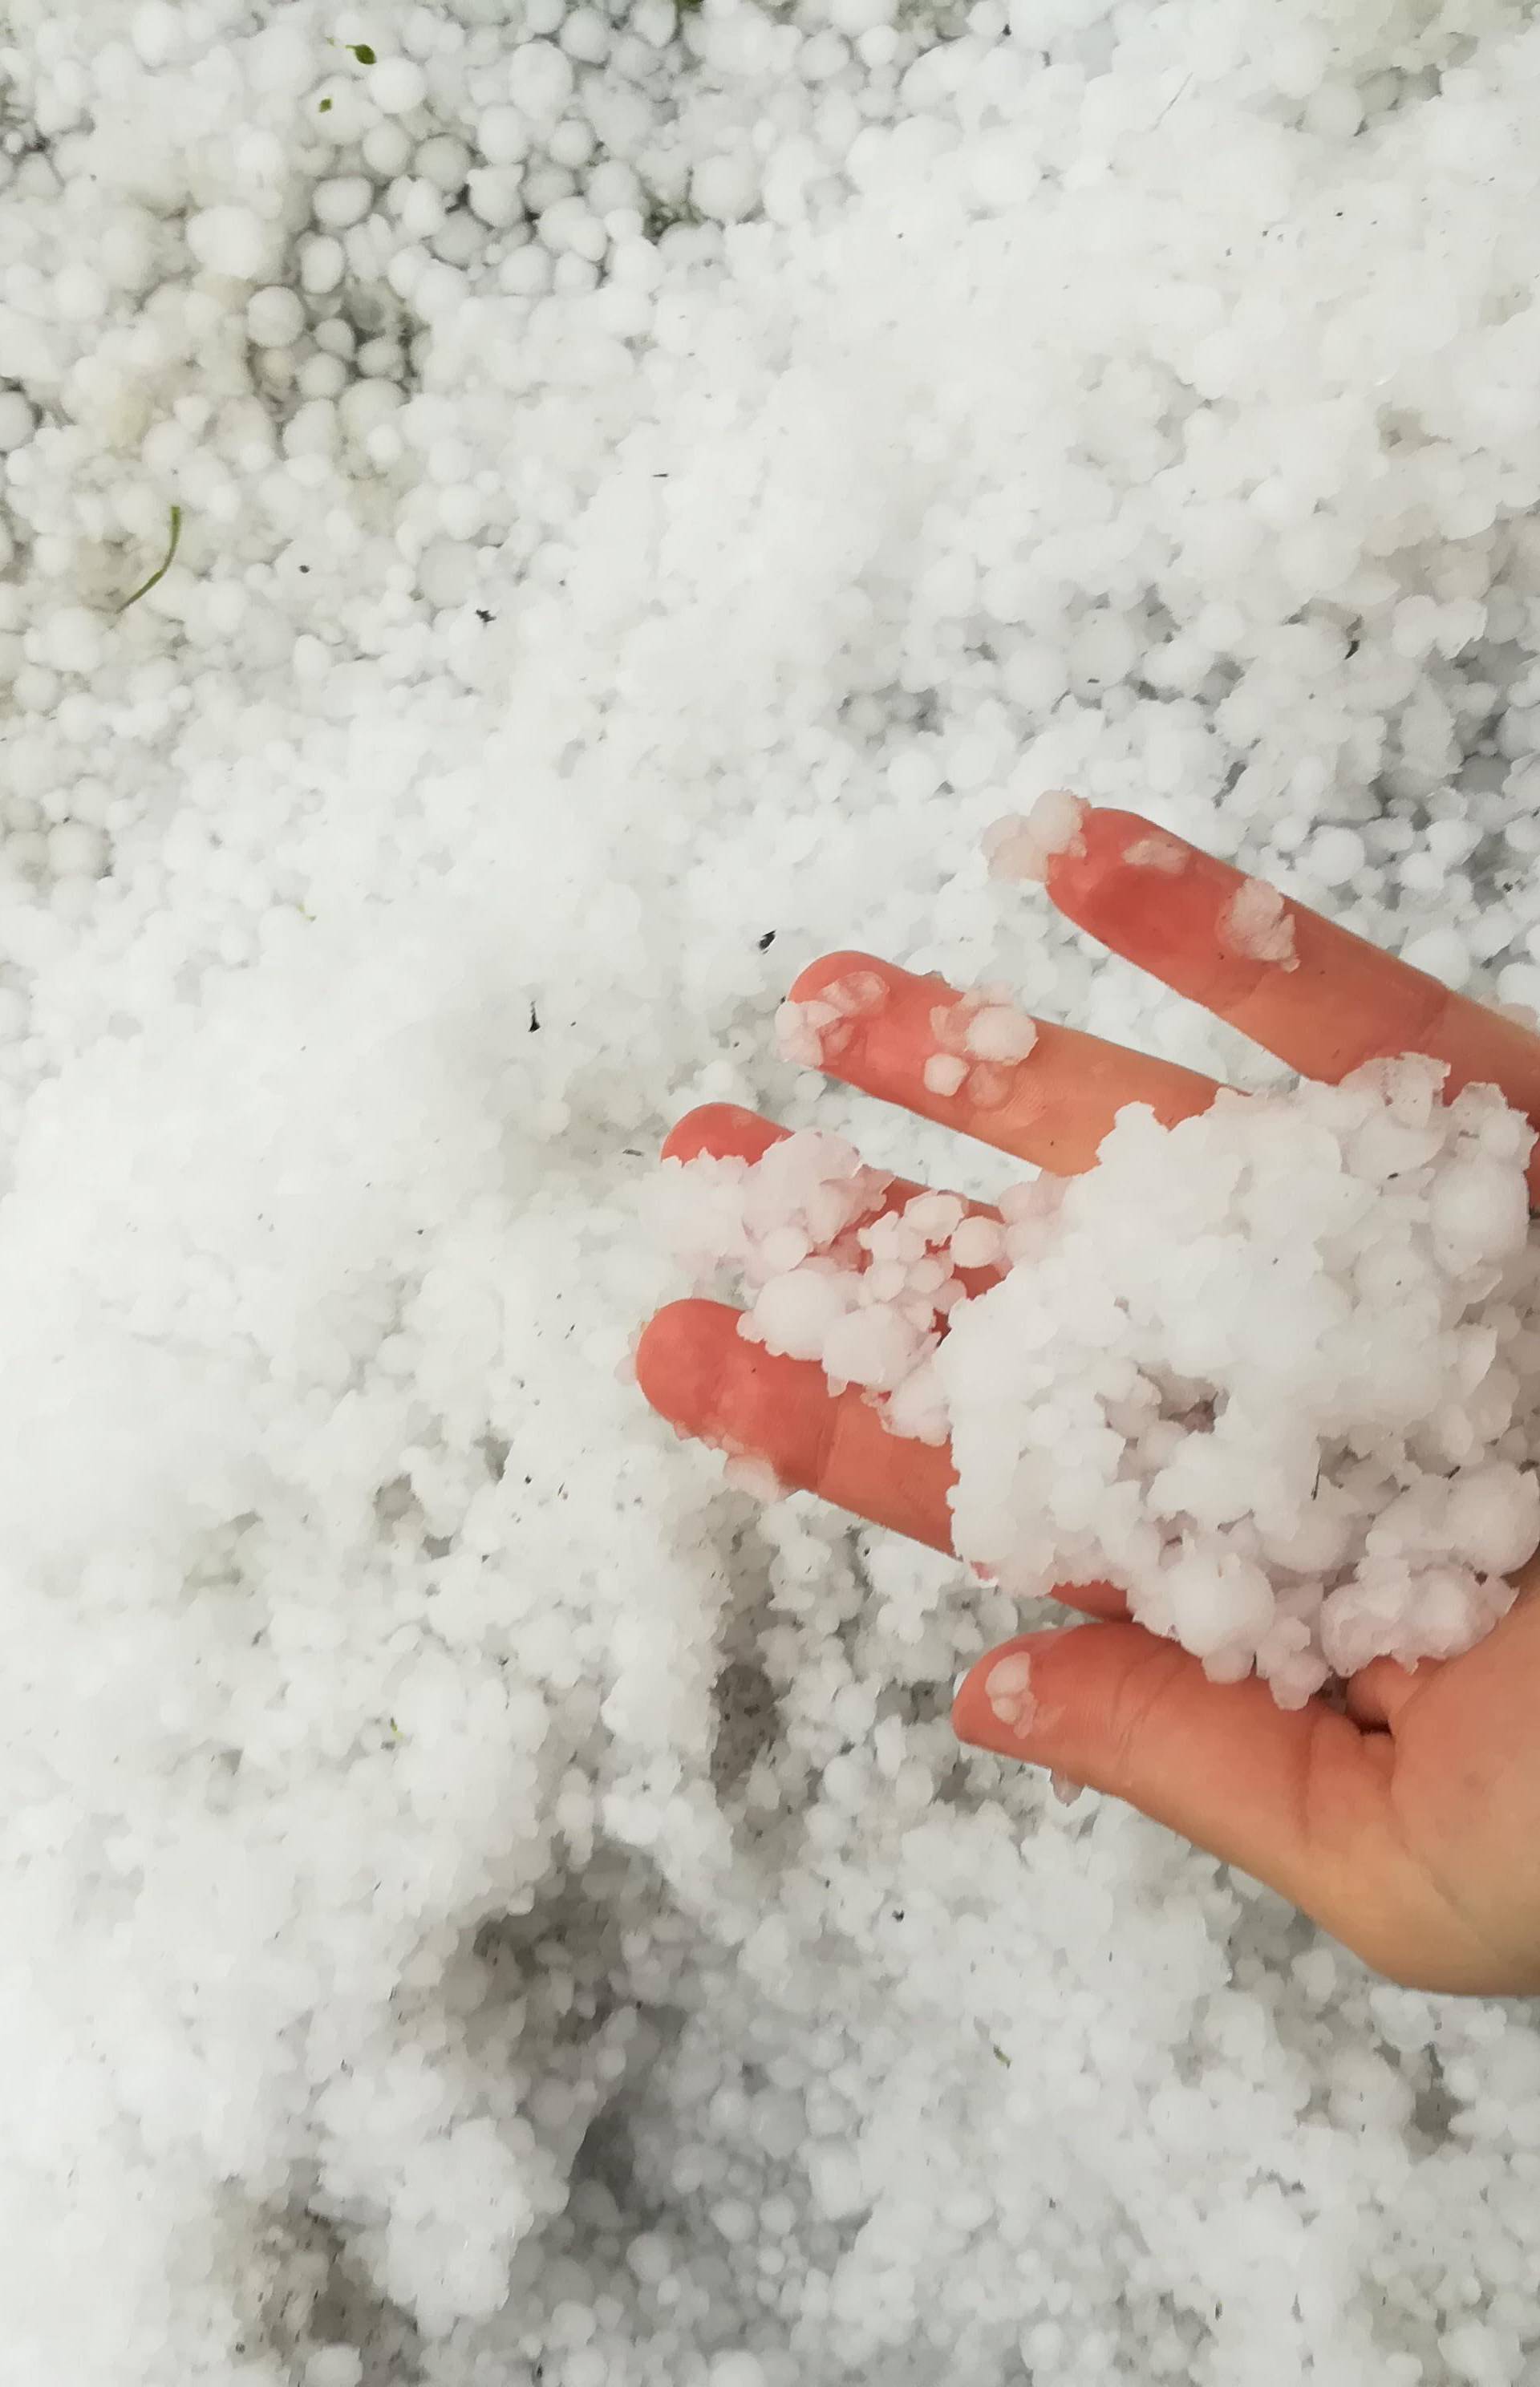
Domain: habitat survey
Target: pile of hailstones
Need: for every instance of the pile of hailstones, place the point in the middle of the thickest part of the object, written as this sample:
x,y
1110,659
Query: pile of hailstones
x,y
1272,1371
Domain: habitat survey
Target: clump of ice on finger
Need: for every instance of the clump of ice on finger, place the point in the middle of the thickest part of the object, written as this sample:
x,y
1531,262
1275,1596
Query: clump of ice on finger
x,y
979,1038
1257,924
817,1031
786,1216
1157,853
1022,845
1273,1371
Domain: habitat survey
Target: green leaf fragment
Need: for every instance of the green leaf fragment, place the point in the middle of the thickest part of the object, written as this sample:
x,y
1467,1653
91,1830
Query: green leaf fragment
x,y
362,51
324,106
166,562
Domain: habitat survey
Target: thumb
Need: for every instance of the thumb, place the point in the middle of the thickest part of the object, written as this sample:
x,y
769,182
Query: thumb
x,y
1297,1797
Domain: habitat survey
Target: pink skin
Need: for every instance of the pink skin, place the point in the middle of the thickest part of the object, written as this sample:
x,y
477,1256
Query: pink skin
x,y
1410,1826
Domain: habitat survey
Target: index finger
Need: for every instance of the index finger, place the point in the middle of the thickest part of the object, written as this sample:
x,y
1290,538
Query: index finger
x,y
1318,997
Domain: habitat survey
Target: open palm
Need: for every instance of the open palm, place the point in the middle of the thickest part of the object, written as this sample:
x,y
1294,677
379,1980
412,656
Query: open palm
x,y
1408,1826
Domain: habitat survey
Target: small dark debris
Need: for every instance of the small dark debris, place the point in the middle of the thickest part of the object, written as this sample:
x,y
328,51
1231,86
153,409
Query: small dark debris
x,y
483,615
767,940
632,1151
1352,645
304,567
534,1021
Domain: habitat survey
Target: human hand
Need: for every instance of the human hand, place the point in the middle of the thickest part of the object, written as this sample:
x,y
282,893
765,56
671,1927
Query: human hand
x,y
1408,1827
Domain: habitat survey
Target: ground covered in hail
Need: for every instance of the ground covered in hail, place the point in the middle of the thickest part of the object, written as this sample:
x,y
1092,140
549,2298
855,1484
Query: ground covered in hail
x,y
485,1901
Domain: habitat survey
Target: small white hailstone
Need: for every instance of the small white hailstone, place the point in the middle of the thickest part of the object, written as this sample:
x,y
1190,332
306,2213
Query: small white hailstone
x,y
724,187
128,251
76,850
230,240
1255,925
1007,1687
73,639
1161,854
568,225
997,1033
387,150
540,81
1493,1518
275,317
782,1249
876,1347
333,2366
336,337
917,1408
859,992
322,264
933,1217
793,1313
17,421
654,22
798,1032
571,144
736,2369
834,2174
344,200
396,86
79,294
1336,855
1220,1608
943,1074
322,376
1020,1204
893,1236
1480,1207
977,1244
949,1024
1440,954
650,2257
502,135
447,572
1021,846
493,192
749,1474
443,160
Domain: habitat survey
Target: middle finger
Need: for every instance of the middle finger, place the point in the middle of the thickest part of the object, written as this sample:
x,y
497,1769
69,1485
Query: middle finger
x,y
1051,1110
